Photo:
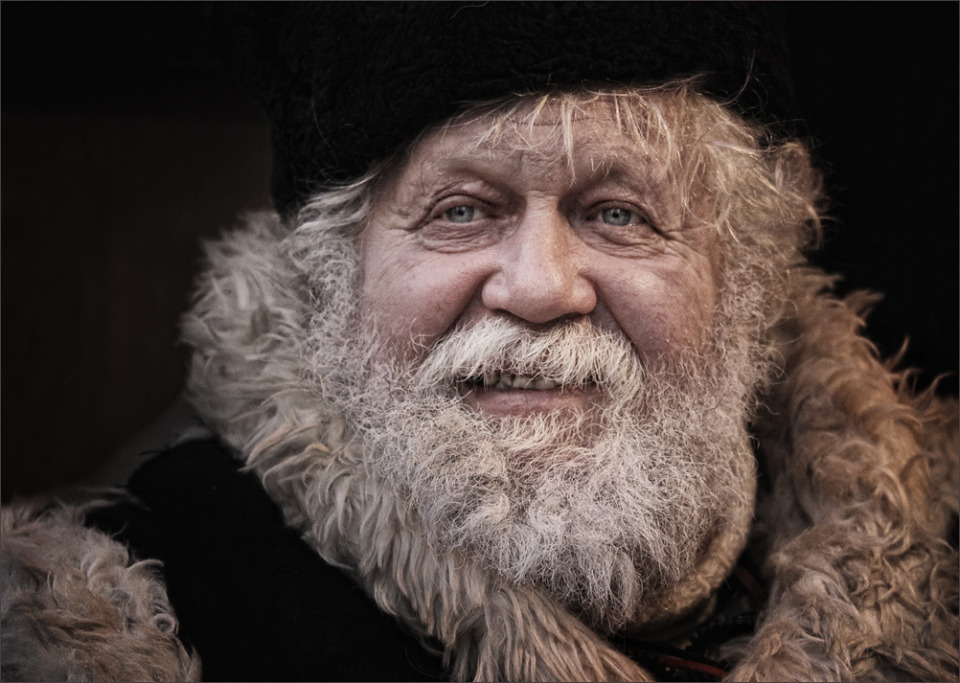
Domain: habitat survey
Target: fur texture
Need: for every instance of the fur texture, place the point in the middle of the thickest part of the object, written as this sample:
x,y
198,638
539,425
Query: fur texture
x,y
330,74
864,586
859,480
75,607
850,531
245,380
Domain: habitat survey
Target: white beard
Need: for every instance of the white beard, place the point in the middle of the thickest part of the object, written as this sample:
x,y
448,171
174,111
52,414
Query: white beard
x,y
605,509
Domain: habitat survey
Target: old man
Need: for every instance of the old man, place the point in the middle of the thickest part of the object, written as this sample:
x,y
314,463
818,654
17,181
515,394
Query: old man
x,y
529,378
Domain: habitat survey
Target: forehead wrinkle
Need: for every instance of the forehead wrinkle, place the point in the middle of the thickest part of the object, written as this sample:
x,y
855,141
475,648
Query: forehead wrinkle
x,y
495,164
589,149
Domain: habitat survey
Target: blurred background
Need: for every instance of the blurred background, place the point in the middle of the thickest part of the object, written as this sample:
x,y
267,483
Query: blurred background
x,y
123,144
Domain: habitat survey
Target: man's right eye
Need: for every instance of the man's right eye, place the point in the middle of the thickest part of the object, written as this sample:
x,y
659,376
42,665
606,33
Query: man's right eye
x,y
460,214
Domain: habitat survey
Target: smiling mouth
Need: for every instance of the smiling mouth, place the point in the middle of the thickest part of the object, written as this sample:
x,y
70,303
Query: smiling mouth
x,y
509,393
504,381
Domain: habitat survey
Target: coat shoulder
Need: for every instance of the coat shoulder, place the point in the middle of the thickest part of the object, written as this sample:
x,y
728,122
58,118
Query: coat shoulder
x,y
76,605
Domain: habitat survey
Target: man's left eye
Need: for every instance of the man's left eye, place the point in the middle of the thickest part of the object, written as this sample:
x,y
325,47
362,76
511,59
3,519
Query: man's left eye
x,y
619,216
460,214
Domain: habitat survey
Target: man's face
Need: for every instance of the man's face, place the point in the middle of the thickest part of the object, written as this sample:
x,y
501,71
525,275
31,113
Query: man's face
x,y
541,362
511,229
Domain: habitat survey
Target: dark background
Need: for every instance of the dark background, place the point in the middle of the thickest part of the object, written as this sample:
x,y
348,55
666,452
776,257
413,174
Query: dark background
x,y
123,144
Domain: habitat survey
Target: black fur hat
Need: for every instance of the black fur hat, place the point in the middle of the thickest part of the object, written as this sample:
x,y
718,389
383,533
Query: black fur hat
x,y
346,84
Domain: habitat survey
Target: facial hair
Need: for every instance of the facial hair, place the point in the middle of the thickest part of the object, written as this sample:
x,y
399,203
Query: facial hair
x,y
606,508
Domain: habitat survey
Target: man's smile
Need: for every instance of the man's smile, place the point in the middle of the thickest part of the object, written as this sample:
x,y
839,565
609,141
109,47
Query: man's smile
x,y
515,394
514,381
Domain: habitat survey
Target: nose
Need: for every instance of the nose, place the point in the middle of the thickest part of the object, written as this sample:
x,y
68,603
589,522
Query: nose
x,y
541,274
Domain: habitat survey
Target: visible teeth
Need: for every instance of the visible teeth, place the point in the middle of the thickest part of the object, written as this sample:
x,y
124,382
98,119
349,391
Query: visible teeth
x,y
513,381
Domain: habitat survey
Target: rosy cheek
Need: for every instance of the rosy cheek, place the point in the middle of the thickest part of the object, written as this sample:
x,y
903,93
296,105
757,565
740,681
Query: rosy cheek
x,y
662,311
414,301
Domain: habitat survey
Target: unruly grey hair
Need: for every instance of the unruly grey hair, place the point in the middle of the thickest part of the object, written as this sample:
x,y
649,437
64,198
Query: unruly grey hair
x,y
760,194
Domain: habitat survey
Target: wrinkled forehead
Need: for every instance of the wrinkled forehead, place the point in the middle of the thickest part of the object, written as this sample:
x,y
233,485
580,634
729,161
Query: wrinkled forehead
x,y
573,138
647,139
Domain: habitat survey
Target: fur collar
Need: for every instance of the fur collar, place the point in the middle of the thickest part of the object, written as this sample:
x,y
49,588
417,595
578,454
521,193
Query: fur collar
x,y
848,531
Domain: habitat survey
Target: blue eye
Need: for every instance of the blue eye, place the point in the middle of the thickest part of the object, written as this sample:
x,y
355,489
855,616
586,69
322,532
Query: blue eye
x,y
619,216
460,214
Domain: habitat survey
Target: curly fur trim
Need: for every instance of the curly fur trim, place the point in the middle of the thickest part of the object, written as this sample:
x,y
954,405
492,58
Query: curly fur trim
x,y
864,586
244,379
850,531
75,607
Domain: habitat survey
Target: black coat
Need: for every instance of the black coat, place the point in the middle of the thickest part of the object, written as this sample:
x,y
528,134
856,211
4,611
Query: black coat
x,y
257,603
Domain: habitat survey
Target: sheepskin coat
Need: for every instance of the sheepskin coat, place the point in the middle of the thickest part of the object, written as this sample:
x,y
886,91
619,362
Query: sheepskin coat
x,y
853,534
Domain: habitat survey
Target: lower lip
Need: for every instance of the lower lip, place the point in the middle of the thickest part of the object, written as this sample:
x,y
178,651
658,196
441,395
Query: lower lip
x,y
525,401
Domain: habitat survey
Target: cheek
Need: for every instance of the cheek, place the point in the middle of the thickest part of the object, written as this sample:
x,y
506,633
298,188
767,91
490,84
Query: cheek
x,y
414,299
664,310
